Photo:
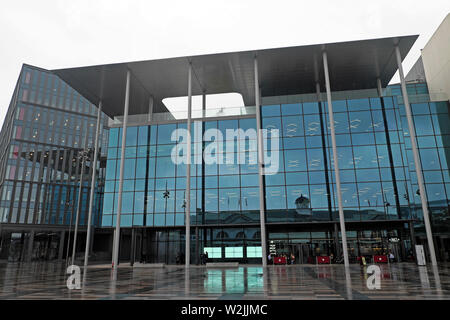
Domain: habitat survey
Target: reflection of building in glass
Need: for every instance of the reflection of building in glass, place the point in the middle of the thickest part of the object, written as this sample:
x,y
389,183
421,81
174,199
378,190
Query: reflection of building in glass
x,y
43,133
302,204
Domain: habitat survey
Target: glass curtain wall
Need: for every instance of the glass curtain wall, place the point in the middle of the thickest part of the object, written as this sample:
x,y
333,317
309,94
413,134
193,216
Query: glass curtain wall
x,y
376,166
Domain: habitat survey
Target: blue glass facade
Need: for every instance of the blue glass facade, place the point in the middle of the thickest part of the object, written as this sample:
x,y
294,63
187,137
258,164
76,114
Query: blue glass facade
x,y
376,166
230,194
44,131
48,121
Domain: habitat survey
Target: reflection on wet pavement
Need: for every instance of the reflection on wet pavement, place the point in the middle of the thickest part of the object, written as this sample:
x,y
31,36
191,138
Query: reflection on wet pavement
x,y
398,281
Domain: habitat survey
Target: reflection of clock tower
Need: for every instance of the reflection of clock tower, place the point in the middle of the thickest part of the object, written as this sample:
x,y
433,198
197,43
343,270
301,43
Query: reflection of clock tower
x,y
302,205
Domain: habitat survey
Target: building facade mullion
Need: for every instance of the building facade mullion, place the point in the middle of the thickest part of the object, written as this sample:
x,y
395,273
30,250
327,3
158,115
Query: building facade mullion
x,y
55,187
40,186
47,188
15,178
59,212
29,211
21,210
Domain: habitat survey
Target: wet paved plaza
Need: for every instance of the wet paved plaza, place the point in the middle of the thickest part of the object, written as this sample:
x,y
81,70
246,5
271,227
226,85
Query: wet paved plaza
x,y
398,281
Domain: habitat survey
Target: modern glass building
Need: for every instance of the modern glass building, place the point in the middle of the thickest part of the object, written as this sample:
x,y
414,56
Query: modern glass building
x,y
258,196
46,127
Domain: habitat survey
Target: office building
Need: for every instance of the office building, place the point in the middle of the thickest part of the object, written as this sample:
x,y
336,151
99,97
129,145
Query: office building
x,y
227,206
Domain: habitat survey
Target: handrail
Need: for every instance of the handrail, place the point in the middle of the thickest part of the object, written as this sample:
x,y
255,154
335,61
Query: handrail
x,y
182,115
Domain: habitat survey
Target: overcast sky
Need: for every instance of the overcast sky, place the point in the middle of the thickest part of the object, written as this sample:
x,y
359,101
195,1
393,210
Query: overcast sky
x,y
61,33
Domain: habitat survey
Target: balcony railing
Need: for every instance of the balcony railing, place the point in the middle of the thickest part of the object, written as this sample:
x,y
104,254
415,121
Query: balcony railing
x,y
182,115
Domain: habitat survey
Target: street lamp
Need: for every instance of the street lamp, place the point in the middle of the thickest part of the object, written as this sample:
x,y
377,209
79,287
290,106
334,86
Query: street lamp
x,y
184,201
166,195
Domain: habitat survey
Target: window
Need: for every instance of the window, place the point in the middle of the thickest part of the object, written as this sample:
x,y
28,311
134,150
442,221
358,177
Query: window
x,y
213,252
419,108
293,126
291,109
131,139
228,181
365,157
423,125
250,199
165,133
272,124
275,198
229,199
297,197
270,111
360,121
254,252
129,168
111,169
113,137
165,167
310,107
296,178
293,142
143,136
358,104
234,252
295,160
275,179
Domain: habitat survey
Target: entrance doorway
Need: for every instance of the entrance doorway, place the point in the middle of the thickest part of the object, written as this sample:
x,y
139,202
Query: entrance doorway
x,y
45,246
15,246
159,246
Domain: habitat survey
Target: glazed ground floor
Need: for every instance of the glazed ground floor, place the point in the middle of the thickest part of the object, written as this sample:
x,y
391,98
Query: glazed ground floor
x,y
48,243
298,243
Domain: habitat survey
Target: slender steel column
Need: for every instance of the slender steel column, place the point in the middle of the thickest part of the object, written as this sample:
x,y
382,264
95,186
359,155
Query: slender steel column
x,y
203,230
204,104
413,238
150,109
262,212
335,160
133,246
188,172
92,240
61,245
197,231
93,178
380,88
80,194
122,161
417,163
30,246
325,157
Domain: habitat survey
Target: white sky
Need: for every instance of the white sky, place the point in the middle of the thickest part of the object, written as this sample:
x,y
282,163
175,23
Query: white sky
x,y
61,33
